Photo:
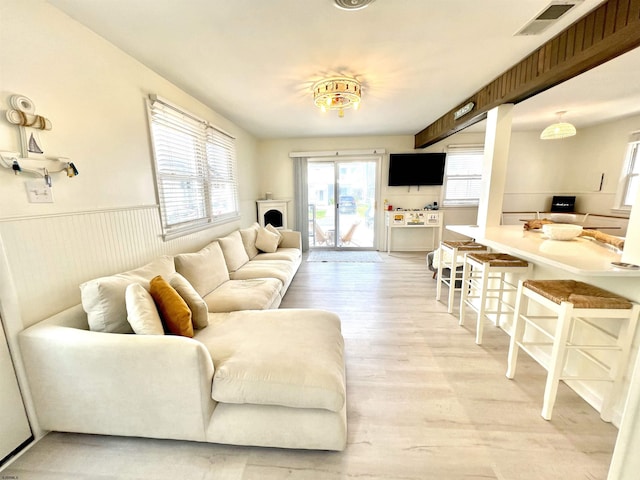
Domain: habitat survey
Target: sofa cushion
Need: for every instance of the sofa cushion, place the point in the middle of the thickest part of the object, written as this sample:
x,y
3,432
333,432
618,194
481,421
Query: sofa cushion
x,y
142,313
290,254
206,270
103,299
280,269
198,307
267,241
254,294
233,250
273,229
288,357
249,236
174,311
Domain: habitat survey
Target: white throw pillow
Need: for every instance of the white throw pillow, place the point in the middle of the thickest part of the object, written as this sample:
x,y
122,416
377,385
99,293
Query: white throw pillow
x,y
267,241
103,298
142,313
198,307
273,229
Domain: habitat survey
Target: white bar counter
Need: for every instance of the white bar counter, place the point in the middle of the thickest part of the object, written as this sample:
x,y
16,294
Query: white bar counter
x,y
580,256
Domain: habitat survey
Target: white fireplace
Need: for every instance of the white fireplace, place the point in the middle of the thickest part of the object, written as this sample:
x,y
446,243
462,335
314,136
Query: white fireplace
x,y
273,212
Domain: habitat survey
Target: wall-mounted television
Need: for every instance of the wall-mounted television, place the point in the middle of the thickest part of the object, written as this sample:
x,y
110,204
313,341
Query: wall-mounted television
x,y
409,169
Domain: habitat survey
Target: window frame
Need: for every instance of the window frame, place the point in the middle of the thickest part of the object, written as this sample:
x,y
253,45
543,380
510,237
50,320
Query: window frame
x,y
631,163
453,150
194,161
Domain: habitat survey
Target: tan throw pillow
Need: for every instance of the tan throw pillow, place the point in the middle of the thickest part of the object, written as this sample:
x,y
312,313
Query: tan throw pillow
x,y
174,311
198,307
142,313
206,270
273,229
234,252
267,241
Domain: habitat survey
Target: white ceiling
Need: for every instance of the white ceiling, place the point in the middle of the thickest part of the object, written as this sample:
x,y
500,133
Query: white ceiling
x,y
254,61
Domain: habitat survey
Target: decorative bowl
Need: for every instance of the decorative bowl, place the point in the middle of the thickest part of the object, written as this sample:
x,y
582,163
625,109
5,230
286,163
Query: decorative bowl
x,y
561,231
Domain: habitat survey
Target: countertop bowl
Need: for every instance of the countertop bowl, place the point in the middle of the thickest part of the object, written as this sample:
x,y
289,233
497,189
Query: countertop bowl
x,y
561,231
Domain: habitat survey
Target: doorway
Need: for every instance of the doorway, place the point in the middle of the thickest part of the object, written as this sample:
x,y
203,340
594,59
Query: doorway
x,y
341,200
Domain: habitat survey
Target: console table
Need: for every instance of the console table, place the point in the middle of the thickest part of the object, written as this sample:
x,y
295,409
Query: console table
x,y
414,219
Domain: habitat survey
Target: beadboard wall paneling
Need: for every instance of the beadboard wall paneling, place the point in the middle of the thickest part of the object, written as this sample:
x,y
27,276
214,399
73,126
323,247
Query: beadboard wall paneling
x,y
50,256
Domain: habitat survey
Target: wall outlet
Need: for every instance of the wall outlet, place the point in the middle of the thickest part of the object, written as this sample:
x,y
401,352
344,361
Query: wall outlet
x,y
39,192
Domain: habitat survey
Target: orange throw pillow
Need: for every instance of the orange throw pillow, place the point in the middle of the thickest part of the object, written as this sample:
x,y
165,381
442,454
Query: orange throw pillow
x,y
174,311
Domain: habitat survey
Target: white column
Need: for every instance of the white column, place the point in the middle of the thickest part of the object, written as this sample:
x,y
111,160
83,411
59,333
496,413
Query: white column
x,y
631,252
494,167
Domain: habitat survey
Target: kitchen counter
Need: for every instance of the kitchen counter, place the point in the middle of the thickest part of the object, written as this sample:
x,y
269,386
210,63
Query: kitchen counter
x,y
581,256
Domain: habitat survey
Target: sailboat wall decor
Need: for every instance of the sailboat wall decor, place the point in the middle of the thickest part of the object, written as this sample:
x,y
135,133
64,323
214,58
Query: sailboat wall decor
x,y
32,158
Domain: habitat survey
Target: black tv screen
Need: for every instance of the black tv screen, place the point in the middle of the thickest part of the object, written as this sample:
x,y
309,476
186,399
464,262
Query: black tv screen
x,y
407,169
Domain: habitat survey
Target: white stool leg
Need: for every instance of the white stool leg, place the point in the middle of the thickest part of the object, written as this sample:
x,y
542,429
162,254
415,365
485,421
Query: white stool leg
x,y
500,298
466,270
517,332
617,371
483,304
439,282
453,275
558,355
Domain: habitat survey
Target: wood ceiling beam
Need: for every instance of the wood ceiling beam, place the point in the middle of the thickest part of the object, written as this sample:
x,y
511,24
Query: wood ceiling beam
x,y
605,33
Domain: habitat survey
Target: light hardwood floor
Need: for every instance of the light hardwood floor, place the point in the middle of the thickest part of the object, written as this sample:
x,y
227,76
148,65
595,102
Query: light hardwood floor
x,y
424,402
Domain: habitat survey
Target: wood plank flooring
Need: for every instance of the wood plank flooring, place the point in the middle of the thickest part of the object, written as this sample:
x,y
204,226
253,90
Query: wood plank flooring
x,y
424,402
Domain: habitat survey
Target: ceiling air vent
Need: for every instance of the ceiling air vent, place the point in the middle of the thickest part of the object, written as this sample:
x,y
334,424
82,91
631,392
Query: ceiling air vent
x,y
547,17
352,4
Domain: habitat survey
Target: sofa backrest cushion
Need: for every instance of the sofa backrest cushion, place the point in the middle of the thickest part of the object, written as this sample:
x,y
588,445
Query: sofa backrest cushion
x,y
103,299
206,270
267,241
249,236
142,313
198,307
174,311
234,252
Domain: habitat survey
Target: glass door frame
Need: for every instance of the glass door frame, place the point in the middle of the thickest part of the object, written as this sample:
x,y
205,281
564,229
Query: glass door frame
x,y
375,217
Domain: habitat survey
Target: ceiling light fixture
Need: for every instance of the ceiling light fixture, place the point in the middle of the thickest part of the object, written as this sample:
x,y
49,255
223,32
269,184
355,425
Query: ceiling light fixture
x,y
558,130
337,93
352,4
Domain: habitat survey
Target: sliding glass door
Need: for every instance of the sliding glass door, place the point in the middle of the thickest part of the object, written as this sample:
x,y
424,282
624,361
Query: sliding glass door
x,y
341,202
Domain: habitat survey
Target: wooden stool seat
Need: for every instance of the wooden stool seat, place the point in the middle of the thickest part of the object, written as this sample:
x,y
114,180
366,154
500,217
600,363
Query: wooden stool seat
x,y
452,255
485,282
580,294
578,308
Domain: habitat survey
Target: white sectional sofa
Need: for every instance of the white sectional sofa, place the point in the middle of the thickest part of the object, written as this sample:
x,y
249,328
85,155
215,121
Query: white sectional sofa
x,y
250,375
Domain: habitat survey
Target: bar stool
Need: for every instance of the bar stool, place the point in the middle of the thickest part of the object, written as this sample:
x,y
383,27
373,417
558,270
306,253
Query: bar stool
x,y
574,303
451,257
484,279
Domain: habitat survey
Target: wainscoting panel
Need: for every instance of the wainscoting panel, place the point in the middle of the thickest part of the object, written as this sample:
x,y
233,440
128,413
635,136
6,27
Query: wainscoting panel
x,y
50,256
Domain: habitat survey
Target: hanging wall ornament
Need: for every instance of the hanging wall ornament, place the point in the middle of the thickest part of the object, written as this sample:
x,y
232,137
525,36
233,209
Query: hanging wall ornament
x,y
23,114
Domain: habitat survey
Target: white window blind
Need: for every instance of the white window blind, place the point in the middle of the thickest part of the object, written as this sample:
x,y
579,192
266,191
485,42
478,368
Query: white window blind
x,y
463,175
195,170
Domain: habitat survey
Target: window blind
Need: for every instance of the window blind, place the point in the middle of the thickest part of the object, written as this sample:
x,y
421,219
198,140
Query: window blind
x,y
463,175
195,167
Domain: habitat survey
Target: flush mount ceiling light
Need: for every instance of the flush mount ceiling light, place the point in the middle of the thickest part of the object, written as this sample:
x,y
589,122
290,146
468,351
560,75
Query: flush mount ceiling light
x,y
337,93
558,130
352,4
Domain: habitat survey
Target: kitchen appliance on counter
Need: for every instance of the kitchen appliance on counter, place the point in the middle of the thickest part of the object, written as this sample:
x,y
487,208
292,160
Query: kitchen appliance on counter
x,y
563,204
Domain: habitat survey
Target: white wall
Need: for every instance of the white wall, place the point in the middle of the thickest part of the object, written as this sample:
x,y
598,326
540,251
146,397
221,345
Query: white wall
x,y
277,176
539,169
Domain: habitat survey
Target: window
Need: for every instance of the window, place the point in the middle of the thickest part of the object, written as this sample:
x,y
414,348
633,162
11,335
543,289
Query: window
x,y
463,175
195,165
630,181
